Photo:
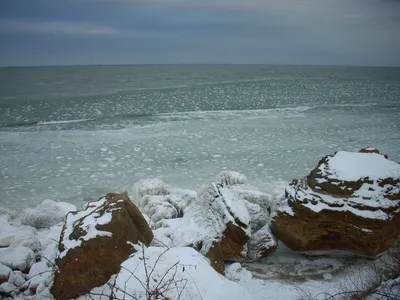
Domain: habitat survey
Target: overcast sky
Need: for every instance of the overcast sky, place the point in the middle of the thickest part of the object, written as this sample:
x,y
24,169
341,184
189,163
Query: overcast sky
x,y
329,32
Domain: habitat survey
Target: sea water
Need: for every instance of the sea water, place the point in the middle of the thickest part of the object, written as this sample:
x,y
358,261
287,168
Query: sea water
x,y
75,133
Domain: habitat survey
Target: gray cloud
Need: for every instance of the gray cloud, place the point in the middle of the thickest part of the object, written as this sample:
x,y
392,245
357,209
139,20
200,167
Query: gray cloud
x,y
358,32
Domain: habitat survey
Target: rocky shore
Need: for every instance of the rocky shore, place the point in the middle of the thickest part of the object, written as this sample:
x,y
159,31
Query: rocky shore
x,y
159,242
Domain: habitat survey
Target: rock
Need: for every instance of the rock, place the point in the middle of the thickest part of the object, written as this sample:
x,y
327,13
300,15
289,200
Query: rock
x,y
38,274
11,236
160,202
216,257
236,273
188,272
258,216
231,178
46,214
349,202
17,258
17,278
4,273
219,216
7,288
261,244
372,150
94,242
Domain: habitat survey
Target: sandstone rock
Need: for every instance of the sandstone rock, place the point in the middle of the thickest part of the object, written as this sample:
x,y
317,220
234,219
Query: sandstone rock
x,y
372,150
94,242
261,243
216,257
349,202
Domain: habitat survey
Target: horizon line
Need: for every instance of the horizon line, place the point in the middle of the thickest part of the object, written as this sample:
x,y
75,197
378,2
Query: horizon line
x,y
196,64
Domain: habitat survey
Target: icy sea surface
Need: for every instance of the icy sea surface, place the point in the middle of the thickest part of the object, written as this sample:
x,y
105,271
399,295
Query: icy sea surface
x,y
75,133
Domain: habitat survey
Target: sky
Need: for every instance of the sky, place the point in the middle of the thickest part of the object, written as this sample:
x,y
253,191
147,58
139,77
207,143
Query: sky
x,y
306,32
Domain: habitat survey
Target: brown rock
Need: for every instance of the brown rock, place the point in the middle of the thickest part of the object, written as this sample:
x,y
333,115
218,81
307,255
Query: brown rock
x,y
372,150
339,207
233,240
216,258
94,243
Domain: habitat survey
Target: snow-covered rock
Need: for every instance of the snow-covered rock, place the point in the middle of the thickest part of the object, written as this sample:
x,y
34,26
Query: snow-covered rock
x,y
46,214
236,273
160,202
4,273
151,186
95,241
13,236
231,178
7,288
17,278
178,273
39,273
17,258
261,243
218,221
350,201
259,217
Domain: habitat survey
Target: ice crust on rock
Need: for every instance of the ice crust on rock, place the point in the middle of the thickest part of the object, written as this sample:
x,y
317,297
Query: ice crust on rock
x,y
160,202
46,214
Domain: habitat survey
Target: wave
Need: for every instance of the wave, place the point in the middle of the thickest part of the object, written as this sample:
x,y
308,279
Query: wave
x,y
63,121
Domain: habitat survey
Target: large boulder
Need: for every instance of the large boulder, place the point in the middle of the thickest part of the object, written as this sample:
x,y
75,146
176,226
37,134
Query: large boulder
x,y
349,202
95,241
217,224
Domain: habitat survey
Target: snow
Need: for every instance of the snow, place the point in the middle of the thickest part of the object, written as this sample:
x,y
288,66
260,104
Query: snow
x,y
351,166
40,272
152,186
204,218
46,214
7,288
235,272
258,216
90,220
231,178
13,236
4,272
370,200
260,241
17,258
181,271
17,278
160,202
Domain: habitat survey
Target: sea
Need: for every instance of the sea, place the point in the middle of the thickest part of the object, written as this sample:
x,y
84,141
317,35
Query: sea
x,y
75,133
